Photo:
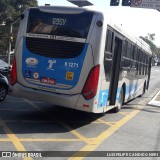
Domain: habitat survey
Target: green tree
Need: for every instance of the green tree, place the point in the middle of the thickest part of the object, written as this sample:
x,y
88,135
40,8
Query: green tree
x,y
149,40
10,10
150,37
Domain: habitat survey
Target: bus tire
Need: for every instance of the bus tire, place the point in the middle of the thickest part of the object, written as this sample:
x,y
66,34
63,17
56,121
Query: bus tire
x,y
121,101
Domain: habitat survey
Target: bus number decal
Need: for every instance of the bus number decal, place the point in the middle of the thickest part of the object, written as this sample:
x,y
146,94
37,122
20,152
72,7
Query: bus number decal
x,y
69,76
71,65
59,21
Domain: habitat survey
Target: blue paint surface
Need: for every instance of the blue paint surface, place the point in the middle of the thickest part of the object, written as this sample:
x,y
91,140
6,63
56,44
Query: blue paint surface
x,y
57,73
103,95
103,98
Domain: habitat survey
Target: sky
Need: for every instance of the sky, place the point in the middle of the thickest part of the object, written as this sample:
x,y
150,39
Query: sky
x,y
136,21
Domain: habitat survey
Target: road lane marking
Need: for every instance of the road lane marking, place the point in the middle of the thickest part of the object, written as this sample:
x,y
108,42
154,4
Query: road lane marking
x,y
124,113
107,123
74,132
4,140
103,136
13,138
48,140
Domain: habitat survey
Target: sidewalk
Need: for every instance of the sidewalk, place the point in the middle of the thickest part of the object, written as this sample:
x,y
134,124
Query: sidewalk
x,y
155,101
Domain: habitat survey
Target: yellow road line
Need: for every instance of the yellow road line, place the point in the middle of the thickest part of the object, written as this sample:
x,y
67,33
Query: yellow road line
x,y
13,138
103,136
74,132
4,140
48,140
107,123
124,113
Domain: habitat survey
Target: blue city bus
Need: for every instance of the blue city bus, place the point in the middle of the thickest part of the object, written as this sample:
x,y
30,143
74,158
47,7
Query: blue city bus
x,y
77,58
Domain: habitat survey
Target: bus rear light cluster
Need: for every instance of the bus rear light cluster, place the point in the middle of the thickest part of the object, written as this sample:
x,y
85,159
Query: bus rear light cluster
x,y
13,73
90,87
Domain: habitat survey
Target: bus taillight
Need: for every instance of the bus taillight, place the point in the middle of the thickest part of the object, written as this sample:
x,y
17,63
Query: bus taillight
x,y
90,87
13,72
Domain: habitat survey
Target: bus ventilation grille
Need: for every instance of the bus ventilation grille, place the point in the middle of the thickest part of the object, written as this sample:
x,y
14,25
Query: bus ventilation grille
x,y
54,48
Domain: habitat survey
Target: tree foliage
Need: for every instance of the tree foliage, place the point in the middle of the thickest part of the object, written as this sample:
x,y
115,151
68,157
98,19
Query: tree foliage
x,y
10,10
149,40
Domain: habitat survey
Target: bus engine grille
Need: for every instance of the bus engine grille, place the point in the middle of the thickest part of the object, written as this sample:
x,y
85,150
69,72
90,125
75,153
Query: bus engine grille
x,y
54,48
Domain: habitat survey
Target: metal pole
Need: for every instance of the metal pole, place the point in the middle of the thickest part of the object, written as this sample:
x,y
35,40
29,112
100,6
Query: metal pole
x,y
9,49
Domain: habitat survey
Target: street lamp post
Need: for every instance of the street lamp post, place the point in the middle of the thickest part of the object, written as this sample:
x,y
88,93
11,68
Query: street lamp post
x,y
9,49
10,39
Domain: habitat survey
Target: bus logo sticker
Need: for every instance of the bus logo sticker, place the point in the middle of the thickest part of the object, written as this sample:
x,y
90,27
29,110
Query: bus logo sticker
x,y
36,75
31,61
69,76
27,74
51,62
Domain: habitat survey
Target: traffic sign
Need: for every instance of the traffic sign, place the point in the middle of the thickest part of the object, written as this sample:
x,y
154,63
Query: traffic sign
x,y
152,4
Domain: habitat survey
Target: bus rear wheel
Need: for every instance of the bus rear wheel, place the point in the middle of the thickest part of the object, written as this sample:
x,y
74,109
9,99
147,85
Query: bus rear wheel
x,y
120,103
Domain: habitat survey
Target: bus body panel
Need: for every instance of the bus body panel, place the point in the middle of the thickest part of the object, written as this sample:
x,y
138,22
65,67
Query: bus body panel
x,y
60,80
26,70
40,95
35,74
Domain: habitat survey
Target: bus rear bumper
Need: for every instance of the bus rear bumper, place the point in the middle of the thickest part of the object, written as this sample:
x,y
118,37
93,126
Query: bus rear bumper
x,y
69,101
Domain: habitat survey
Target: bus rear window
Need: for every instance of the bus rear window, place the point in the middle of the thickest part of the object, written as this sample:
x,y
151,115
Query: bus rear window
x,y
70,25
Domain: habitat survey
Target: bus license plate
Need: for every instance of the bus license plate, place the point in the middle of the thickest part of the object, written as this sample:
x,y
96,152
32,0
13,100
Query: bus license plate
x,y
48,81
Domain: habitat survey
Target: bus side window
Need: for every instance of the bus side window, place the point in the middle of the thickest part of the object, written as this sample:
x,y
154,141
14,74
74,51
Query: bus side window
x,y
143,63
133,52
125,45
108,55
109,41
147,61
136,58
140,62
129,51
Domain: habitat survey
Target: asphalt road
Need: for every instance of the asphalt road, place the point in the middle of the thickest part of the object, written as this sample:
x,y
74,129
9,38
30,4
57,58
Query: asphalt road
x,y
34,126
